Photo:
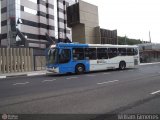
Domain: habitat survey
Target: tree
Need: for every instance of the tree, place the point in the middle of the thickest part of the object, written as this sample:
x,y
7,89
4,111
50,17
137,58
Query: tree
x,y
128,41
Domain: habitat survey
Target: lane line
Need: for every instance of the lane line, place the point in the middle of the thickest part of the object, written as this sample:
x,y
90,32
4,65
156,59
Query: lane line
x,y
149,63
1,77
48,80
90,75
35,74
130,70
71,78
155,92
108,82
21,83
106,73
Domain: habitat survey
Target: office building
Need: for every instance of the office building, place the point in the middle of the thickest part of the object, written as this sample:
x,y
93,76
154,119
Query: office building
x,y
82,18
27,22
106,36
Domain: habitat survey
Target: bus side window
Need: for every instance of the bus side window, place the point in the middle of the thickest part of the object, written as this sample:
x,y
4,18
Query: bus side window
x,y
78,54
65,56
90,54
112,52
130,51
102,53
122,51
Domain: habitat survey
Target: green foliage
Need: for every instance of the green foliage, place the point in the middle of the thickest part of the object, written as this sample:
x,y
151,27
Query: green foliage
x,y
128,41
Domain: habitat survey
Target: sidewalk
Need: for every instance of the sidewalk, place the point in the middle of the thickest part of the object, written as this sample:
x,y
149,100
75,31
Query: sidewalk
x,y
31,73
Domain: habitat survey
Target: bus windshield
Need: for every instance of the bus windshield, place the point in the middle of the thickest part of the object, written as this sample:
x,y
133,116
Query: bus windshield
x,y
52,56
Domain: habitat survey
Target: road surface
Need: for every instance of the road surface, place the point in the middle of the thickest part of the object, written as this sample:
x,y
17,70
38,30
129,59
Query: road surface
x,y
97,94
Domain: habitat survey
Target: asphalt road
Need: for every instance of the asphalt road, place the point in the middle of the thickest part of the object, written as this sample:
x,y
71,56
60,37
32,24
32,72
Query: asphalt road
x,y
130,91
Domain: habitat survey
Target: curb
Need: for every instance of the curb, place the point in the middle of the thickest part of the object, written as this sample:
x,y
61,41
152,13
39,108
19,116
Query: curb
x,y
23,75
35,74
45,73
141,64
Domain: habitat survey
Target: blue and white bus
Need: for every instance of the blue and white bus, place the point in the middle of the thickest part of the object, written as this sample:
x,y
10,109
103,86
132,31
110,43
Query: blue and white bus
x,y
79,58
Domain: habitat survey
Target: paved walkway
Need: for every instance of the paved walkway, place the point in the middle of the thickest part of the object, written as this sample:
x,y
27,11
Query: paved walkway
x,y
31,73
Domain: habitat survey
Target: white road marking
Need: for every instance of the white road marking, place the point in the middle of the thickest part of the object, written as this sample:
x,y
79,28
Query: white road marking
x,y
149,63
106,73
1,77
155,92
71,78
108,82
121,71
130,70
48,80
90,75
35,74
21,83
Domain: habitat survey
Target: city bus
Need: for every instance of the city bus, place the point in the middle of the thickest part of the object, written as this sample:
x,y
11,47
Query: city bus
x,y
79,58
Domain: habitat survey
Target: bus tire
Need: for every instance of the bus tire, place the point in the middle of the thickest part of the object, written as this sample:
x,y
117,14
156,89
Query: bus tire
x,y
79,69
122,65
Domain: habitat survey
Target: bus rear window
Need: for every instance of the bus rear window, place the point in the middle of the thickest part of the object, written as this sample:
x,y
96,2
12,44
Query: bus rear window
x,y
135,51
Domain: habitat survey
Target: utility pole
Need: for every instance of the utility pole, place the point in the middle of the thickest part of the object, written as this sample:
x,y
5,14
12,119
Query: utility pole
x,y
125,40
149,37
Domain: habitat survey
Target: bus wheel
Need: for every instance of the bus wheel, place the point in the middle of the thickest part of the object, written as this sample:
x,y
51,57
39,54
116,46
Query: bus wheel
x,y
122,65
79,69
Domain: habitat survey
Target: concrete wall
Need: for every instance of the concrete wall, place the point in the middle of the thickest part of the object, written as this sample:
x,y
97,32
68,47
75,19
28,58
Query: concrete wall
x,y
89,19
78,33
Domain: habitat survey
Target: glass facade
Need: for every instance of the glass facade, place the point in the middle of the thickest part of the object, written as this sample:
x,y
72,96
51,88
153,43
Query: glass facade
x,y
11,15
31,11
43,16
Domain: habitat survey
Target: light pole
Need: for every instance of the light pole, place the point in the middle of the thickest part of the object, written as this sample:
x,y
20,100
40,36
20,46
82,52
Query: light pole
x,y
125,40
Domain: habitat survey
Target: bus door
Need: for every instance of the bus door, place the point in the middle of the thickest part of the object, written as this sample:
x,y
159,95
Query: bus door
x,y
64,60
78,57
113,61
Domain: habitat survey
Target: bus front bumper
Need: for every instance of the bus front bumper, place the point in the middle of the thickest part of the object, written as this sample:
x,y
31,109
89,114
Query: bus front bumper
x,y
53,70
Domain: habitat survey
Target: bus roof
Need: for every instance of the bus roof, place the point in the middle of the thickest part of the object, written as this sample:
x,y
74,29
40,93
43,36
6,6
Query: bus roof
x,y
94,45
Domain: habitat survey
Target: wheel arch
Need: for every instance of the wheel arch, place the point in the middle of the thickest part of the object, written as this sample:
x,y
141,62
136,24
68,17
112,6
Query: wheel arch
x,y
81,65
122,62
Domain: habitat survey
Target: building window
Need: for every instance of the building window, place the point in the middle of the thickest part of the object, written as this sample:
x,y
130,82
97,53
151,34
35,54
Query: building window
x,y
35,1
31,11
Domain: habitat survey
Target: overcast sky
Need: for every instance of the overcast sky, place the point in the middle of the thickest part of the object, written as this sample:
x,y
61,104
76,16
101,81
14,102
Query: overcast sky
x,y
133,18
